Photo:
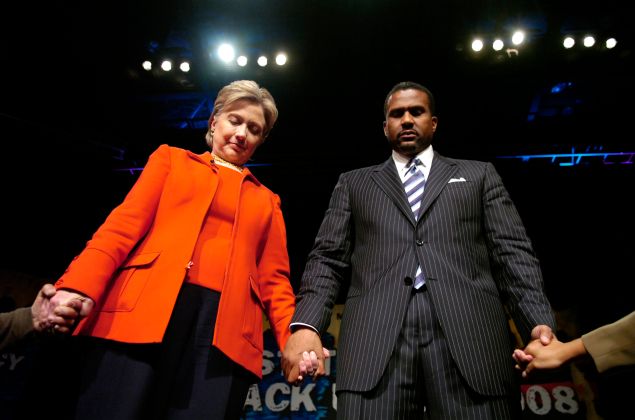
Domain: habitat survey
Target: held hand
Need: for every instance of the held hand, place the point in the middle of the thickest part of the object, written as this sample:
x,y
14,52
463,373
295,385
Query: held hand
x,y
553,355
40,308
544,333
310,364
303,354
66,308
541,335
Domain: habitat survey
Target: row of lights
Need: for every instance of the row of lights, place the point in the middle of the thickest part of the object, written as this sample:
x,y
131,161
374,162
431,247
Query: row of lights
x,y
166,65
226,54
588,41
518,38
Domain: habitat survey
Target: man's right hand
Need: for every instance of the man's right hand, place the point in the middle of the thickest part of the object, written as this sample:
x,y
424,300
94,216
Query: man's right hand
x,y
303,354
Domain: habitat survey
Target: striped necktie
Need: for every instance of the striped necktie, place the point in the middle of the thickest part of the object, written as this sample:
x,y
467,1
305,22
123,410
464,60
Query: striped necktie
x,y
414,183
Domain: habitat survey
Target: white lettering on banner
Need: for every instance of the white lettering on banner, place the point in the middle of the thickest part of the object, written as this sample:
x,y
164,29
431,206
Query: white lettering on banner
x,y
299,398
538,399
334,397
267,364
270,396
565,400
12,359
253,398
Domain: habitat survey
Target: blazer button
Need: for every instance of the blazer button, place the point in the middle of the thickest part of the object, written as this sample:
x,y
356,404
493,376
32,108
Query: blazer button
x,y
419,242
407,281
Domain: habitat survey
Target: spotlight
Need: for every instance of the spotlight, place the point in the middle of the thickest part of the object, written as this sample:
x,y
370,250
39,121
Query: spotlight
x,y
225,53
262,61
611,43
166,65
568,42
185,67
588,41
518,37
498,45
147,65
477,45
281,59
241,61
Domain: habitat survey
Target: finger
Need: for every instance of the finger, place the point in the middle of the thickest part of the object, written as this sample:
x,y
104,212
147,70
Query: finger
x,y
522,357
65,312
48,290
75,304
321,371
306,360
303,367
314,361
59,322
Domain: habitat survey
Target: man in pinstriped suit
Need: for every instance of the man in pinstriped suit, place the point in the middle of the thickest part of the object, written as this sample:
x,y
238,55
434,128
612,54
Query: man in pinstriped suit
x,y
424,332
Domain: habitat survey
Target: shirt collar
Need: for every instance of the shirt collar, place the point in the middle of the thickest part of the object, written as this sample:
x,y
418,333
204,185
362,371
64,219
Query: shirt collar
x,y
424,156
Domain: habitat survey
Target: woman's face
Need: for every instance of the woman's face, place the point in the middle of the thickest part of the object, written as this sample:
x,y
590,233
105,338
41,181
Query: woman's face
x,y
238,131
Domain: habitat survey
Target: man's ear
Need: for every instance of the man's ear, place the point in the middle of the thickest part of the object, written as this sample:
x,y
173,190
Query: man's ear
x,y
385,132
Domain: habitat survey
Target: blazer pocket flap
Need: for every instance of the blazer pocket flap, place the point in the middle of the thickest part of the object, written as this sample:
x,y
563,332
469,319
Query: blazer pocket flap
x,y
141,259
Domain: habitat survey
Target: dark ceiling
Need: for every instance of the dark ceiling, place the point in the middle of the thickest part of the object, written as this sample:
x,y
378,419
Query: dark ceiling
x,y
75,108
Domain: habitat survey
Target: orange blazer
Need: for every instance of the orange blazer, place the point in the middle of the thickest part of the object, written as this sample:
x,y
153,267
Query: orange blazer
x,y
135,263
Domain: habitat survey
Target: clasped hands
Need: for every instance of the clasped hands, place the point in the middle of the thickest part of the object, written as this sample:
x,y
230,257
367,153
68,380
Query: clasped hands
x,y
303,356
58,311
527,358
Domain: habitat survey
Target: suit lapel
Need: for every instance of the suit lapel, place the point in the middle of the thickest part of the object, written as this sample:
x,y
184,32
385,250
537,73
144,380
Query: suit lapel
x,y
440,172
388,180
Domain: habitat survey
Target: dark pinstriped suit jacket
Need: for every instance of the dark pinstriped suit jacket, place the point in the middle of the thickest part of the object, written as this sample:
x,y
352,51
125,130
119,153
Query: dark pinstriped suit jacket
x,y
473,250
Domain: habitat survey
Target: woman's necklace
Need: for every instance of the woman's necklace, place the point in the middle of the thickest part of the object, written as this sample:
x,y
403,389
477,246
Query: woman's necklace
x,y
223,162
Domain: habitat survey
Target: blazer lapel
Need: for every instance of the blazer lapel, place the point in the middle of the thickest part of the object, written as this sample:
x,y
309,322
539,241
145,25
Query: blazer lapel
x,y
440,172
388,180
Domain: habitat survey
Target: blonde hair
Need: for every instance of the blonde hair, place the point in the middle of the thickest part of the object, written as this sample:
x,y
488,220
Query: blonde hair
x,y
245,90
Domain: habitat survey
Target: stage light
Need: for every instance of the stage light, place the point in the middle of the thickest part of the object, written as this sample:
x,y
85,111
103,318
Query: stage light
x,y
281,59
241,61
518,37
498,45
588,41
226,52
166,65
611,43
147,65
477,45
262,61
185,67
568,42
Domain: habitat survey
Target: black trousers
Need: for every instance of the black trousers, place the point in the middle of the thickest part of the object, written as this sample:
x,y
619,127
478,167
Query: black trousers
x,y
422,381
184,377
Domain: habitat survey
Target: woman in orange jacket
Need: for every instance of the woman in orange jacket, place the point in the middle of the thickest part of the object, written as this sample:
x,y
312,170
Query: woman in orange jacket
x,y
175,280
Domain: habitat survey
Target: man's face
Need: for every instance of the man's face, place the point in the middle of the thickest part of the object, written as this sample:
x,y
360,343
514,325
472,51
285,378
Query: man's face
x,y
409,126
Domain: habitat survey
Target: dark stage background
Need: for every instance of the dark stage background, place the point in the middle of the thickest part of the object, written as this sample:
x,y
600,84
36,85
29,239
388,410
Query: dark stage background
x,y
78,116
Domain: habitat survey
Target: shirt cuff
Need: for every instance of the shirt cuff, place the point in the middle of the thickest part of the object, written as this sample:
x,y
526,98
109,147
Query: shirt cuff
x,y
294,326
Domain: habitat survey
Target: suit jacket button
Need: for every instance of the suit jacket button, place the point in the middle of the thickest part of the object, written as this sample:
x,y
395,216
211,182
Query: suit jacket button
x,y
408,281
419,242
